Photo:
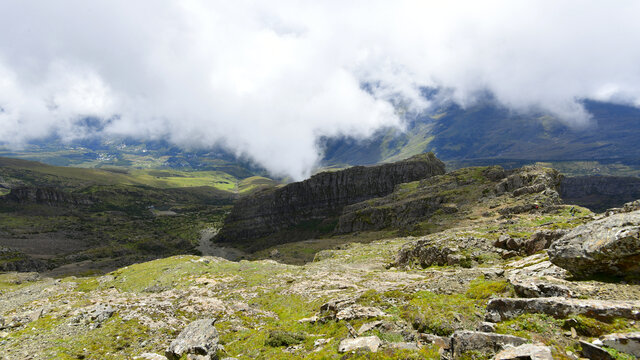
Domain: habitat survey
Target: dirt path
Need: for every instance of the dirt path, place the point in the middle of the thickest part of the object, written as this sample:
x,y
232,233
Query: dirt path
x,y
209,248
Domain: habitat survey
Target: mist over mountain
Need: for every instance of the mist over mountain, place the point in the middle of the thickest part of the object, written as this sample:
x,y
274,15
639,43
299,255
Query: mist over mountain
x,y
268,82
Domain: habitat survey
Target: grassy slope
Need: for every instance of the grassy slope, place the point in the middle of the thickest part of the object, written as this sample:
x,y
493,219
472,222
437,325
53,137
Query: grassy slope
x,y
254,300
148,177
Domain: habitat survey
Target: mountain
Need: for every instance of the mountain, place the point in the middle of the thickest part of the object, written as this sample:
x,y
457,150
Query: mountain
x,y
487,133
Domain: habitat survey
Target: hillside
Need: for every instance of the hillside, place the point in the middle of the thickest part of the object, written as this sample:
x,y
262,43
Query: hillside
x,y
480,283
487,134
75,220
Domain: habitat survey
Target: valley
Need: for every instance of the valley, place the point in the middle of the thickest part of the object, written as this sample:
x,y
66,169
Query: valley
x,y
459,264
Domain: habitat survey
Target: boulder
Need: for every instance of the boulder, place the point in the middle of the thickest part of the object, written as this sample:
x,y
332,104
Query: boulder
x,y
540,240
200,338
440,341
525,352
625,342
465,340
150,356
367,343
530,287
508,308
369,326
359,312
609,246
594,352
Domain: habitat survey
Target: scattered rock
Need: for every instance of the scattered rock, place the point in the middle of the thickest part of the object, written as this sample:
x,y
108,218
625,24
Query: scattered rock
x,y
440,341
198,338
368,326
321,342
594,352
540,240
99,314
424,254
507,308
625,342
487,327
359,312
404,346
526,351
370,343
313,319
609,246
150,356
465,340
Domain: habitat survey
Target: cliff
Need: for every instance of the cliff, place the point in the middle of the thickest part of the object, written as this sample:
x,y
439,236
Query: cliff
x,y
46,195
599,193
314,202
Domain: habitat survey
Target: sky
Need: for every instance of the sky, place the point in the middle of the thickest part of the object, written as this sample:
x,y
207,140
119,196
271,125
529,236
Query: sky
x,y
266,79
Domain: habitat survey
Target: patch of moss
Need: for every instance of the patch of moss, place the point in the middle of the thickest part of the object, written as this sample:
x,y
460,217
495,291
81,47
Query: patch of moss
x,y
587,326
484,289
441,314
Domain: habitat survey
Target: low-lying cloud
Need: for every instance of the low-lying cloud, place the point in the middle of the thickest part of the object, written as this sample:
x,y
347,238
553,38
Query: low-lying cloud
x,y
266,79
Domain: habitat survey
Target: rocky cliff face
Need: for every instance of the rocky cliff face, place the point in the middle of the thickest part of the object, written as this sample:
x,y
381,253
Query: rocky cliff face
x,y
599,193
46,195
323,196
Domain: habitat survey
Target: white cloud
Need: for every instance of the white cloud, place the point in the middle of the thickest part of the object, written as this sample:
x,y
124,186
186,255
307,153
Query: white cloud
x,y
267,78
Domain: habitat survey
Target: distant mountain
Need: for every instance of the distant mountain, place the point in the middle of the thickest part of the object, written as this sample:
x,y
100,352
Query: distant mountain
x,y
483,134
488,133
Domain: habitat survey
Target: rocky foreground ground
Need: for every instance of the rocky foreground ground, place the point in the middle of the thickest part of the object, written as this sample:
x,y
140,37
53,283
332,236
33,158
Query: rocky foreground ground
x,y
520,276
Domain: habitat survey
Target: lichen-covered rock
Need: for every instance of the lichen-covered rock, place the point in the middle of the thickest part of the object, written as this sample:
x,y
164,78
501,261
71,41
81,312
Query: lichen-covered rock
x,y
526,351
508,308
368,343
465,340
198,338
608,246
359,312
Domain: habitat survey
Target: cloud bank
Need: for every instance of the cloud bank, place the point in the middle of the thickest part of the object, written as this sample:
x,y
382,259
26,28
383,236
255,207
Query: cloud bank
x,y
266,79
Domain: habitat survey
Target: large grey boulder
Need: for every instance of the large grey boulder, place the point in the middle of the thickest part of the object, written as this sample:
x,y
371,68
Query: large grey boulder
x,y
610,246
367,343
526,351
508,308
199,340
465,340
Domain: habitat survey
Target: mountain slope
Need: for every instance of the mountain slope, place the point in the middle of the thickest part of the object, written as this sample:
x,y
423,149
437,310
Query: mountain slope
x,y
490,132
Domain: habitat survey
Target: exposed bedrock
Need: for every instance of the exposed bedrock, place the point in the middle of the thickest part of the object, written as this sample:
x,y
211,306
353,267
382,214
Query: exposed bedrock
x,y
322,196
45,195
609,246
599,193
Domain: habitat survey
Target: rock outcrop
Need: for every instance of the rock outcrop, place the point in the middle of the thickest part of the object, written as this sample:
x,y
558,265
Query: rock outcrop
x,y
200,338
508,308
609,246
464,340
367,343
45,195
599,193
14,260
626,342
308,203
526,351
